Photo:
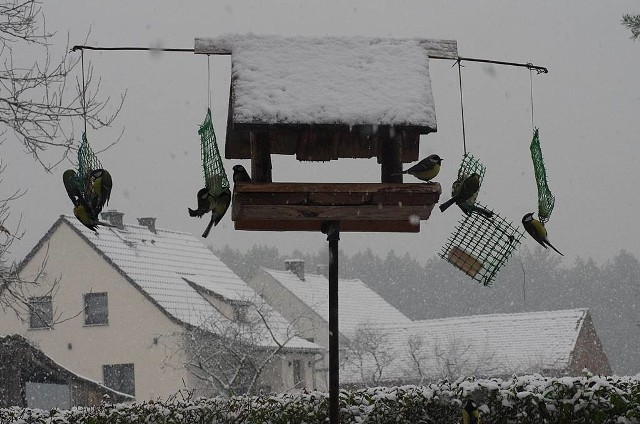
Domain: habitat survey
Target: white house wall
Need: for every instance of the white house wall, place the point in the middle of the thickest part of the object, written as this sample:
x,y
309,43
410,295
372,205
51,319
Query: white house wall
x,y
134,322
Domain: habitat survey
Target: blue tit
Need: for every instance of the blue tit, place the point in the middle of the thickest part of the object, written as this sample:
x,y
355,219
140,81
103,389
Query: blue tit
x,y
470,413
204,203
426,169
88,218
73,191
219,205
468,189
102,185
240,175
537,230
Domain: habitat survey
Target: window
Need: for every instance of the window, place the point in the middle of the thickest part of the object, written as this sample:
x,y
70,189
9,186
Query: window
x,y
120,377
96,311
298,374
40,312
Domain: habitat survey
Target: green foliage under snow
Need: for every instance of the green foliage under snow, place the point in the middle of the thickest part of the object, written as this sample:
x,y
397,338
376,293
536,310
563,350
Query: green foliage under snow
x,y
525,399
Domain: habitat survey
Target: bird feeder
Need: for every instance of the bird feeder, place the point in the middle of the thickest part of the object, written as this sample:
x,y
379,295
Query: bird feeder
x,y
87,162
546,200
215,176
480,246
322,99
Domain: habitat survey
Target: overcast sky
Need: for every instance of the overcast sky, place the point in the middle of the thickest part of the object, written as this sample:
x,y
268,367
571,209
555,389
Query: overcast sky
x,y
587,108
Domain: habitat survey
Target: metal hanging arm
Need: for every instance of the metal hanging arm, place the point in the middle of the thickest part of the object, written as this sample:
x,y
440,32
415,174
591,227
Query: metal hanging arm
x,y
528,65
538,69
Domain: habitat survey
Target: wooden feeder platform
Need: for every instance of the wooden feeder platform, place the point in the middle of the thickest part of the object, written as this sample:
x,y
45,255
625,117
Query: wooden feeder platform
x,y
360,207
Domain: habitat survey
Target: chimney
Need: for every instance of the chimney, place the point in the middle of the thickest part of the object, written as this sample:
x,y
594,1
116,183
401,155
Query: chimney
x,y
148,222
296,266
114,218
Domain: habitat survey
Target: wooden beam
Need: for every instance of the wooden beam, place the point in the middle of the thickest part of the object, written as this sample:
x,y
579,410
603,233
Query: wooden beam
x,y
443,49
359,206
390,155
260,157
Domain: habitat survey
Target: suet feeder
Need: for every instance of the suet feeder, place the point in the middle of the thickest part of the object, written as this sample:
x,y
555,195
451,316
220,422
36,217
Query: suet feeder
x,y
321,99
87,162
546,200
215,176
479,246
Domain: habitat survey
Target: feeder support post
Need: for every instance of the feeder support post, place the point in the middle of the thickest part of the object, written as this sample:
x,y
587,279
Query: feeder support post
x,y
390,155
260,157
332,230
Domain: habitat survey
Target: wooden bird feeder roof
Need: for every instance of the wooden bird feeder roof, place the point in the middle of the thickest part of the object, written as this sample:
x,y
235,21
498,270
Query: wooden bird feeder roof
x,y
324,98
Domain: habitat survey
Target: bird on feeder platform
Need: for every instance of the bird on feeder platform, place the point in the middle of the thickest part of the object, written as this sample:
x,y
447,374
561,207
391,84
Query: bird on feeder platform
x,y
537,230
240,175
426,169
102,184
219,205
468,188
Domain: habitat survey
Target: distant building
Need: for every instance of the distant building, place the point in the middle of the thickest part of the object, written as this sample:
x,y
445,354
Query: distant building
x,y
381,346
303,299
553,343
125,301
29,378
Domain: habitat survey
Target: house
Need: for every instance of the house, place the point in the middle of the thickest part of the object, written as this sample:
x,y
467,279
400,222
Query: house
x,y
554,343
29,378
131,306
382,346
303,299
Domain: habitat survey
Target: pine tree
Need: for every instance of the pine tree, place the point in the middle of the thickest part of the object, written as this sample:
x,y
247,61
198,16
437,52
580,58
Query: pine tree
x,y
633,23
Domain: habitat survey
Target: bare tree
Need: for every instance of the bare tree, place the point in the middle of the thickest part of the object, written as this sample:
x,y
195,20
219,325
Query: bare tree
x,y
369,352
37,103
632,22
230,355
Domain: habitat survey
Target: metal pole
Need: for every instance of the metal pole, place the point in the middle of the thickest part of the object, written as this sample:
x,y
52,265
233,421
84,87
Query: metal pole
x,y
332,230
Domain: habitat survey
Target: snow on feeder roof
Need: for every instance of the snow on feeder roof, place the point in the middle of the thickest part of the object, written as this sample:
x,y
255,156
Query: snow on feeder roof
x,y
342,87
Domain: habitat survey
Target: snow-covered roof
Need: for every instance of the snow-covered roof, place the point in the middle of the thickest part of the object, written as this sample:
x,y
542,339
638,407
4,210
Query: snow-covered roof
x,y
160,263
357,303
330,80
481,344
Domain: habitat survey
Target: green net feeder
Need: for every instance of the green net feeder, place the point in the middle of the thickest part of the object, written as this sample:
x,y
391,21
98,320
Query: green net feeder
x,y
215,176
546,200
87,162
468,166
480,247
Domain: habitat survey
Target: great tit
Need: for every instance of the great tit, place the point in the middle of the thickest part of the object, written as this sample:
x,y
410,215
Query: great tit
x,y
87,218
240,175
470,413
204,203
219,205
426,169
102,185
468,188
73,191
537,230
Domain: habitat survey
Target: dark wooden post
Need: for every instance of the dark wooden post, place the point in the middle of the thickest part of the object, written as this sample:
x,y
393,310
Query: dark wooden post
x,y
390,154
260,157
332,230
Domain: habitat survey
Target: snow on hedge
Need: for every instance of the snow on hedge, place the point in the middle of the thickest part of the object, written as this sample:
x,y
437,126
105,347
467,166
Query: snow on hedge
x,y
524,399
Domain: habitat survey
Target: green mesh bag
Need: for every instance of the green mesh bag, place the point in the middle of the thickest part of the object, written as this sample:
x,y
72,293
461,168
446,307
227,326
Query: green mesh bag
x,y
215,176
546,200
87,162
480,247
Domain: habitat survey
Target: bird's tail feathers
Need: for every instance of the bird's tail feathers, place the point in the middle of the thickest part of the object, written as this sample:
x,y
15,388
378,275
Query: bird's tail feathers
x,y
551,246
209,225
445,205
